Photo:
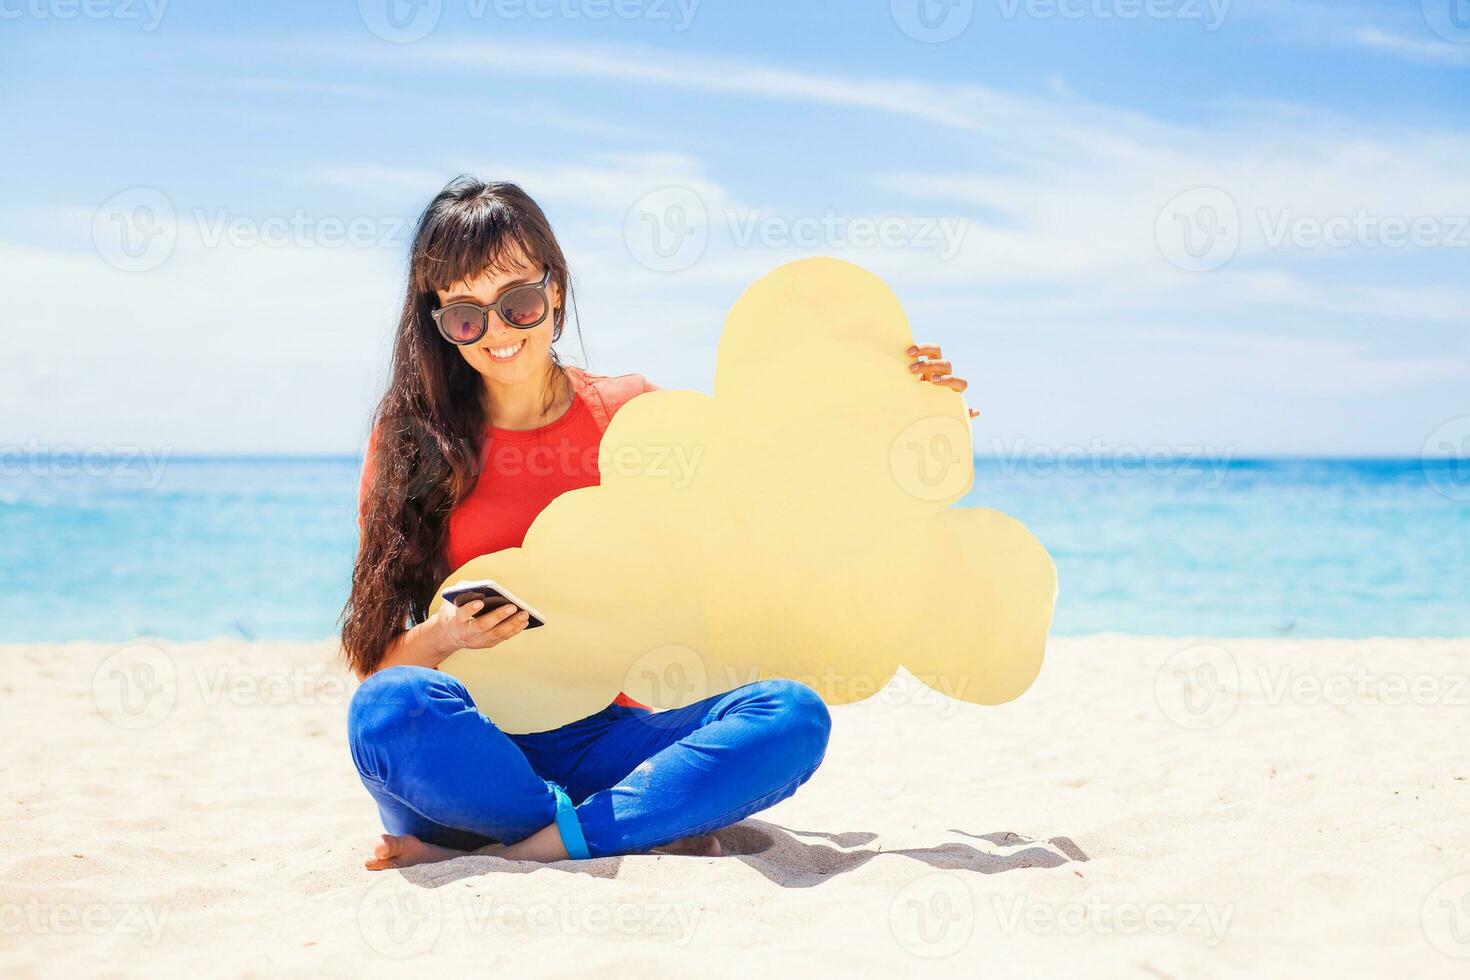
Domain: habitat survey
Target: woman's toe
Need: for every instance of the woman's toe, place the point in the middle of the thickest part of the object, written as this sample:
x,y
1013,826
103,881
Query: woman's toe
x,y
389,850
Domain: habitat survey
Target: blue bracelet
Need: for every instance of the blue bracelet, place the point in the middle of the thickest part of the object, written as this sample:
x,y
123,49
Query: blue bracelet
x,y
569,826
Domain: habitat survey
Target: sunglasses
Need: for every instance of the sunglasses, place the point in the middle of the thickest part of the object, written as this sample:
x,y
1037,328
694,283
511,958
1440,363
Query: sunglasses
x,y
523,307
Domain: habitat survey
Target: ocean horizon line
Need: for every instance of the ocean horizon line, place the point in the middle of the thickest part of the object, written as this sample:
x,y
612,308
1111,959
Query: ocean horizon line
x,y
1258,546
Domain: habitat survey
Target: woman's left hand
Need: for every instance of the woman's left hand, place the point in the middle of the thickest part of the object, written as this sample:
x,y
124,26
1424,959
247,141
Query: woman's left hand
x,y
930,368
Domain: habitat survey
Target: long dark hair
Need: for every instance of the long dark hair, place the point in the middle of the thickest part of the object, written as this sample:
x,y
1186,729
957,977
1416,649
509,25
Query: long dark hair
x,y
427,431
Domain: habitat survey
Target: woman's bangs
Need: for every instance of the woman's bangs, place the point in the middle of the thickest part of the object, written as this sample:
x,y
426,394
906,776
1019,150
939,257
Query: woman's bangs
x,y
463,243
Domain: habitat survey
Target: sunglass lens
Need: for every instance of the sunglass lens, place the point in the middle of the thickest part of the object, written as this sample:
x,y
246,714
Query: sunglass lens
x,y
524,307
462,324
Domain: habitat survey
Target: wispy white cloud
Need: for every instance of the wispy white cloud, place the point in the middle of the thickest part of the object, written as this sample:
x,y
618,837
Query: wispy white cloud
x,y
969,107
1077,187
1409,31
1060,204
1069,217
1288,191
1414,49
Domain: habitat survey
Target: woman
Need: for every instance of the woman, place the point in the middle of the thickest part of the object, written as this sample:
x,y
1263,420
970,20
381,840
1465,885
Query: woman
x,y
481,427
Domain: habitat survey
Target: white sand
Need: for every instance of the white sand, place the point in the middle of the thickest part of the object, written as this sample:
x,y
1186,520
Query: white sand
x,y
1079,831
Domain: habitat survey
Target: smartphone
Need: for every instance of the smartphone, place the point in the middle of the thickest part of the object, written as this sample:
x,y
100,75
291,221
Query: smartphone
x,y
495,595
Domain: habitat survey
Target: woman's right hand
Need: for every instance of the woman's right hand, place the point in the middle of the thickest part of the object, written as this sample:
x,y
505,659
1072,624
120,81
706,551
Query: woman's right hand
x,y
453,628
459,628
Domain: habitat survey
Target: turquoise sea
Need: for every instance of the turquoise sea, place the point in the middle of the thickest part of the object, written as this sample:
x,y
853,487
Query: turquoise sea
x,y
262,548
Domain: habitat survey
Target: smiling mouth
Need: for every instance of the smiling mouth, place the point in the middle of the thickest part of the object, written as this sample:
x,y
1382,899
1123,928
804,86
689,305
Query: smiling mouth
x,y
507,352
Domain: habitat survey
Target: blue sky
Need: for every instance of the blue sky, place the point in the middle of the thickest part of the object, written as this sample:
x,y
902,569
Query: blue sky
x,y
1036,178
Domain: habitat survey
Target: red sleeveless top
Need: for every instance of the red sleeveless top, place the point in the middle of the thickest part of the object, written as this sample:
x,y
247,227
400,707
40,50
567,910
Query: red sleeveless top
x,y
524,470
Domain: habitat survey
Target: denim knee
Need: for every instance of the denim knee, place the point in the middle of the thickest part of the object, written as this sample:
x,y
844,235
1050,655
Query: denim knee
x,y
800,722
391,709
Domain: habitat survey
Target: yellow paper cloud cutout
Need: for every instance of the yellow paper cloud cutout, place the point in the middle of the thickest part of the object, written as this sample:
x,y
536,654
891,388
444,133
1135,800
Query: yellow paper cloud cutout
x,y
797,524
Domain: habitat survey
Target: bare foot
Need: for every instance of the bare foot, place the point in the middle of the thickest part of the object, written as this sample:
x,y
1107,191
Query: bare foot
x,y
705,845
405,852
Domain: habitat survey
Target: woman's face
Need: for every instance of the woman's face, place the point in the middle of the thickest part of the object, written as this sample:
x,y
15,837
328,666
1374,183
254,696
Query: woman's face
x,y
506,355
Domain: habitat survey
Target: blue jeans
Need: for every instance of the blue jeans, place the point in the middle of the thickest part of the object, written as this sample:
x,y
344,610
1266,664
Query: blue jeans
x,y
623,780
